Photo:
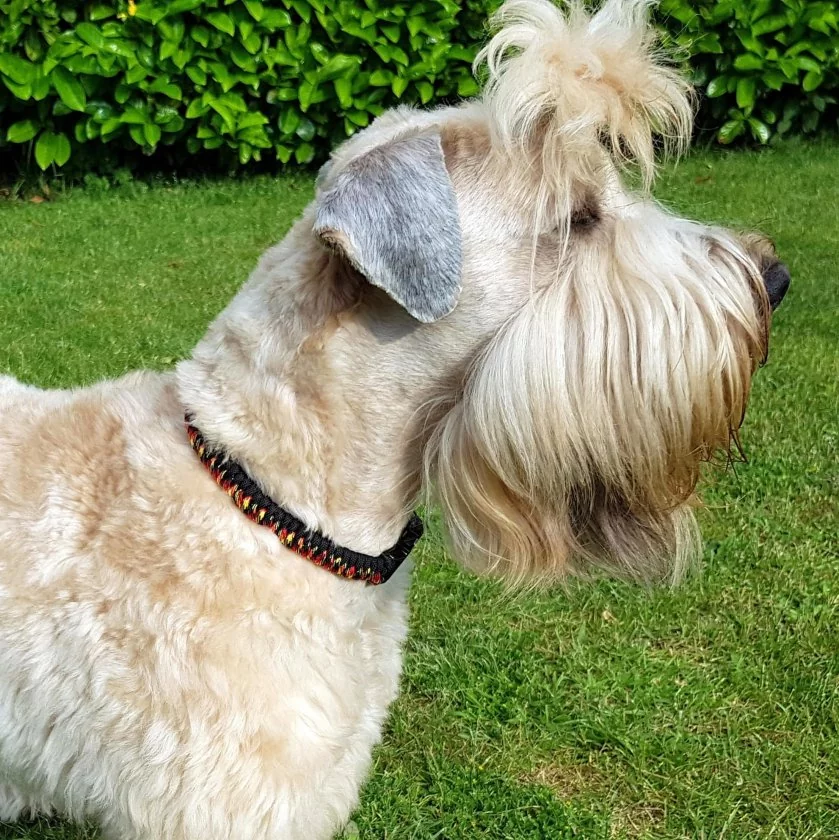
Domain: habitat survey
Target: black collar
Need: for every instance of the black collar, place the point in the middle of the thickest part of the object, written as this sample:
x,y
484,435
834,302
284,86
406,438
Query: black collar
x,y
312,545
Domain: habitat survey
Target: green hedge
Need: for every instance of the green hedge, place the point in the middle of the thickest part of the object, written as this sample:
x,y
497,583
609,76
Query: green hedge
x,y
244,78
767,67
95,83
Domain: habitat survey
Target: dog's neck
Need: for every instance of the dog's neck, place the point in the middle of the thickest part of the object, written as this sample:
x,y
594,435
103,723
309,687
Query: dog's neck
x,y
309,400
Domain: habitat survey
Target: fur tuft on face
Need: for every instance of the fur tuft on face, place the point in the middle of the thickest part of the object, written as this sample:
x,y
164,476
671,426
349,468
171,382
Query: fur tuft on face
x,y
576,88
583,424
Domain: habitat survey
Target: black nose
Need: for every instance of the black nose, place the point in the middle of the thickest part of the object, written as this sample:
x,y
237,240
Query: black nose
x,y
776,279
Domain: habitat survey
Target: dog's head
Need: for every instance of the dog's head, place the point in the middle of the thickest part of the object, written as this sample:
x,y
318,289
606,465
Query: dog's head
x,y
606,346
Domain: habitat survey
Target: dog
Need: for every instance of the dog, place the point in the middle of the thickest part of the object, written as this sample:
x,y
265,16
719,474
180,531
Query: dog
x,y
202,580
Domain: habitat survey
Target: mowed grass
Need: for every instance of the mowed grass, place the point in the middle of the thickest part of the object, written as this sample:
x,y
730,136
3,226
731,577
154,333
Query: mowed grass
x,y
605,711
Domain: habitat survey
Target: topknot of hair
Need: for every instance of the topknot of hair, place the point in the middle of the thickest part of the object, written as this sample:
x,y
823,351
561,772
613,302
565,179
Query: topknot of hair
x,y
568,83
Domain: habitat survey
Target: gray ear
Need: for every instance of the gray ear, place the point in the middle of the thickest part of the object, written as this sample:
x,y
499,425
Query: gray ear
x,y
393,214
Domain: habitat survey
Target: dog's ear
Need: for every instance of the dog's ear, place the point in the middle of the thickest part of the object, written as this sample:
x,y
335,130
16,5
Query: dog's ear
x,y
392,213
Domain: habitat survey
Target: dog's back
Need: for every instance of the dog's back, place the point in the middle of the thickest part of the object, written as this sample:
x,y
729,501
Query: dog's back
x,y
156,646
63,467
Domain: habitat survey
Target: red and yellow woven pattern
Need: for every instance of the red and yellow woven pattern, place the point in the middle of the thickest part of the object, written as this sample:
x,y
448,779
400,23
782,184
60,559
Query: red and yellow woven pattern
x,y
311,545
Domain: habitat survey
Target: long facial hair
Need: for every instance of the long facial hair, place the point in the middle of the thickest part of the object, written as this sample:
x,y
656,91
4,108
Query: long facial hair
x,y
578,438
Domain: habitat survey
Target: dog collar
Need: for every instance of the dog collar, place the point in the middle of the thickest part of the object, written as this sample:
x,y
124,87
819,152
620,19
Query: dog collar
x,y
259,507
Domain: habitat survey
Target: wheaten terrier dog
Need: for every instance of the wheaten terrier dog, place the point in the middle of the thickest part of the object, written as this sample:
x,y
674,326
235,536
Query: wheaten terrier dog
x,y
475,303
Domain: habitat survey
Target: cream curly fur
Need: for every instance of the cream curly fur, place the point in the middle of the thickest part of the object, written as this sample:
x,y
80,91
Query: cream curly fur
x,y
166,667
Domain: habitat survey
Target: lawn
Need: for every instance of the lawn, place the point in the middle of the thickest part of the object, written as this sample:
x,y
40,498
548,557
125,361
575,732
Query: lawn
x,y
605,711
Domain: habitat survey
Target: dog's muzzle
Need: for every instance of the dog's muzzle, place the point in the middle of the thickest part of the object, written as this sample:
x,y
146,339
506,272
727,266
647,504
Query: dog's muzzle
x,y
776,279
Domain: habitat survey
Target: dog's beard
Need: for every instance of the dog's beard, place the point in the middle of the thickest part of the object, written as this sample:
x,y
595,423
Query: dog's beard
x,y
582,428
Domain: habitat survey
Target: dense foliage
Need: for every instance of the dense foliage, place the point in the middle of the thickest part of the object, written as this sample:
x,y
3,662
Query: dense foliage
x,y
246,80
246,77
767,67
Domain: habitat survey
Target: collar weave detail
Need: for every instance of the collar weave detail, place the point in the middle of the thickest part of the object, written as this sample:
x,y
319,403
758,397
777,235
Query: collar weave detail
x,y
259,507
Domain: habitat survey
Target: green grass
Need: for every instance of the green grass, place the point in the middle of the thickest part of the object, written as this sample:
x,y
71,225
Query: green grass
x,y
607,711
